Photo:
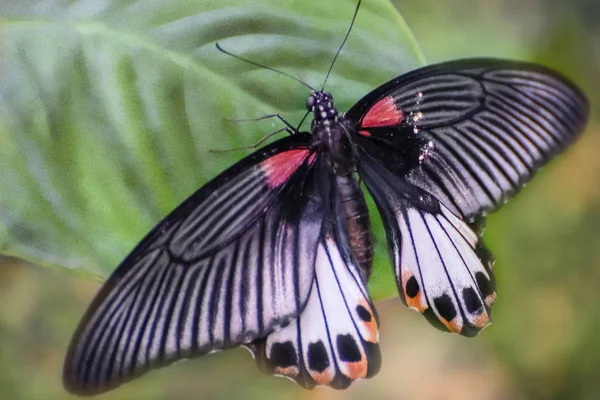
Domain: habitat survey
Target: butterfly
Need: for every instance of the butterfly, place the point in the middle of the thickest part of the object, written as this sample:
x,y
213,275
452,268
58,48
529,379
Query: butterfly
x,y
274,254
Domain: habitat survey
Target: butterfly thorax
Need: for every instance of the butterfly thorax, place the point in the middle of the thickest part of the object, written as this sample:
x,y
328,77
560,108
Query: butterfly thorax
x,y
332,138
330,135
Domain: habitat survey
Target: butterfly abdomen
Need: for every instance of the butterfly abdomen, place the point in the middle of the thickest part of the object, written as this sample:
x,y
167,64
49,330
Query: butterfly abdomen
x,y
356,220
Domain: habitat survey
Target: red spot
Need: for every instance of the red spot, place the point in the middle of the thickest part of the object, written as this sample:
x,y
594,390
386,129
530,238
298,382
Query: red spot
x,y
383,113
365,133
280,167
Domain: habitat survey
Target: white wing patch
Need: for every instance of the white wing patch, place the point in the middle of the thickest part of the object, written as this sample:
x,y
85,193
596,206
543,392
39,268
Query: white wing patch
x,y
335,340
440,272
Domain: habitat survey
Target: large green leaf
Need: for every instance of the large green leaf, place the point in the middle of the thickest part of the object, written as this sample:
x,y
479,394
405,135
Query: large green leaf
x,y
109,109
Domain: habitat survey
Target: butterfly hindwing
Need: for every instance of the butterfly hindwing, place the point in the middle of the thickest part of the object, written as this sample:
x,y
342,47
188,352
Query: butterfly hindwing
x,y
232,263
440,270
470,132
441,267
335,339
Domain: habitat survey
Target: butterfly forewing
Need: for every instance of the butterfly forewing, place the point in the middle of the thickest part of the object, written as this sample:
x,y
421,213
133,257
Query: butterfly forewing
x,y
478,129
232,263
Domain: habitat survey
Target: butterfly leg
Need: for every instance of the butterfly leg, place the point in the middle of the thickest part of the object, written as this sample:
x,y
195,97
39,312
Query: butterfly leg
x,y
291,129
255,145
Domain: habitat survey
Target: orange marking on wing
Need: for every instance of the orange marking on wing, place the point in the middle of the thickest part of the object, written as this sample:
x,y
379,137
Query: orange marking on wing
x,y
482,320
489,300
383,113
417,302
371,326
356,370
287,371
454,326
280,167
322,378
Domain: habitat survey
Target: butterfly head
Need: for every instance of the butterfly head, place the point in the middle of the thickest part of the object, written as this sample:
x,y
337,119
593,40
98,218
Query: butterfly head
x,y
321,105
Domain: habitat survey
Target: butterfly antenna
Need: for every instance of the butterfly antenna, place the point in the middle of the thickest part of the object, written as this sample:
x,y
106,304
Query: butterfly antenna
x,y
264,66
343,43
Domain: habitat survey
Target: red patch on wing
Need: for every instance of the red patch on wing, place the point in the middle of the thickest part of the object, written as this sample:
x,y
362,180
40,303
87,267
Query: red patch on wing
x,y
365,133
280,167
383,113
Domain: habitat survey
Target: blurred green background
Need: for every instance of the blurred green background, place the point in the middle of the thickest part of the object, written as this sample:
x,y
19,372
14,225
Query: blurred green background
x,y
544,340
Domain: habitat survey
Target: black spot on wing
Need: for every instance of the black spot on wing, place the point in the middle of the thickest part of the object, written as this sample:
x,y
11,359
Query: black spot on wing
x,y
317,357
363,313
412,287
284,355
484,284
472,302
444,306
347,348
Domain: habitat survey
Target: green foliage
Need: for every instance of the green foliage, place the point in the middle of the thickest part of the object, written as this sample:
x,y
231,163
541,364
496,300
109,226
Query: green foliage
x,y
109,109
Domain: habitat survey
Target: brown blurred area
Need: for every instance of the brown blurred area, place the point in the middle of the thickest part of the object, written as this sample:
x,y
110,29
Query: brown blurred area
x,y
543,343
39,308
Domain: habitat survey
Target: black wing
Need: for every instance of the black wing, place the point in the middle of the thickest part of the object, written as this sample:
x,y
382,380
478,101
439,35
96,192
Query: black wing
x,y
470,132
441,146
231,264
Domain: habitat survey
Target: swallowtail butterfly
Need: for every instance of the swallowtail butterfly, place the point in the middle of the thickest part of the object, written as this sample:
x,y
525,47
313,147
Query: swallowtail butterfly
x,y
274,254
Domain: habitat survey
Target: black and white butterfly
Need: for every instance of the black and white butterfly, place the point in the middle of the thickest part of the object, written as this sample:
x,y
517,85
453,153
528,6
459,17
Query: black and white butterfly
x,y
274,254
